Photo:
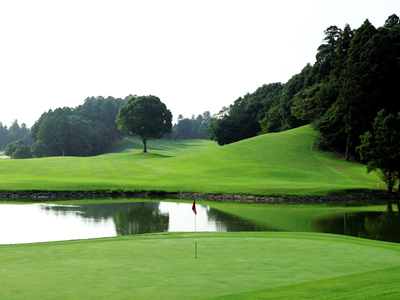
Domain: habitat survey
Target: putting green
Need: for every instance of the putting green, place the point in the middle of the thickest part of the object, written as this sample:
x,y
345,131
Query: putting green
x,y
232,265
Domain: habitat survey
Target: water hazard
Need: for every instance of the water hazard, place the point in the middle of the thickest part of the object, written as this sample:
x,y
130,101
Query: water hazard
x,y
30,223
41,222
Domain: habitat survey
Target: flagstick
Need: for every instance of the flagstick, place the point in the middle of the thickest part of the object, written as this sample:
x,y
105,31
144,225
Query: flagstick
x,y
195,229
195,234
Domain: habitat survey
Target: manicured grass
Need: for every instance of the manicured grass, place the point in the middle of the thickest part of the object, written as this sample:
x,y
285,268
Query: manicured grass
x,y
229,265
272,164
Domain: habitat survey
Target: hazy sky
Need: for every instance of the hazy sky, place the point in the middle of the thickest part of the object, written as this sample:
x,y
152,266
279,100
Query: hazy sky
x,y
194,55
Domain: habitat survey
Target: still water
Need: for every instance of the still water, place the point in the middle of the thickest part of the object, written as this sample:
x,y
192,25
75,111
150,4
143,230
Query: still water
x,y
42,222
39,222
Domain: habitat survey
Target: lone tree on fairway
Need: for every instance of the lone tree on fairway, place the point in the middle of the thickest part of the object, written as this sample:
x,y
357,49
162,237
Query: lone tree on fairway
x,y
145,116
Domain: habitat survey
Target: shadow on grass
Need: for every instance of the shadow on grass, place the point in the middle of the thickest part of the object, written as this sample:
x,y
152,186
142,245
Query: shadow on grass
x,y
150,155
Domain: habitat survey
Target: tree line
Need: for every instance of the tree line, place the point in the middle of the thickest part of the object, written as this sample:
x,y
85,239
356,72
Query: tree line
x,y
14,133
356,75
193,128
88,129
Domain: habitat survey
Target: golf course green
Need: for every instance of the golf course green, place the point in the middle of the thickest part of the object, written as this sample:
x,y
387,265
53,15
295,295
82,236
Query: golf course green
x,y
229,265
240,265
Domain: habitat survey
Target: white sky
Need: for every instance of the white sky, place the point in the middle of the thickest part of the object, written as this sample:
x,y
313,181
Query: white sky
x,y
194,55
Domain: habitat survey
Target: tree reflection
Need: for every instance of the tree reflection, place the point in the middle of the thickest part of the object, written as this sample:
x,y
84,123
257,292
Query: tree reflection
x,y
143,218
384,226
233,223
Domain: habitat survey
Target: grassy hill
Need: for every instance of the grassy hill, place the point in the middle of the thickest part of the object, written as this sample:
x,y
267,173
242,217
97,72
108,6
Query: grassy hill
x,y
271,164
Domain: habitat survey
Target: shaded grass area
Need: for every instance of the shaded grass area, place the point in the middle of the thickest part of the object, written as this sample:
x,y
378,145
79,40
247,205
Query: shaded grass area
x,y
272,164
229,265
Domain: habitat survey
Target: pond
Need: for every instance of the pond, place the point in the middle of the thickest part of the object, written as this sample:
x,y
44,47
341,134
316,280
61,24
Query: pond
x,y
43,222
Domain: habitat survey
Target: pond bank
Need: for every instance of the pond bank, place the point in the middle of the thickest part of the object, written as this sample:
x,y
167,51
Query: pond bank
x,y
56,195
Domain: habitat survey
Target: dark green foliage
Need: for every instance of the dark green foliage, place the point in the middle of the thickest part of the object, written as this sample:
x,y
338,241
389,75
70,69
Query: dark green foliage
x,y
232,125
3,136
14,133
379,148
145,116
194,128
268,109
357,73
89,129
286,98
39,149
18,149
269,117
22,152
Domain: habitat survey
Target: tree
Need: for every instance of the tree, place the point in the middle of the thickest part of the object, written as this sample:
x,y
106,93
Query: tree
x,y
18,149
23,151
39,149
145,116
380,148
3,135
79,142
184,129
88,129
232,124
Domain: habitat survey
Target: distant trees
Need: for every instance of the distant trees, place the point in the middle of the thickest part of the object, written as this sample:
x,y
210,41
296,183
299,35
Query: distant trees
x,y
145,116
88,129
194,128
39,149
14,133
265,110
18,149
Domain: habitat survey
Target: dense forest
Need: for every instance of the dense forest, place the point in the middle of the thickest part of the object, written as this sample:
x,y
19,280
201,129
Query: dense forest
x,y
356,74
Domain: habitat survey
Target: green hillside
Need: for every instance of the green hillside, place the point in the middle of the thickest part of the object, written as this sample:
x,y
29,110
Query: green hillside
x,y
271,164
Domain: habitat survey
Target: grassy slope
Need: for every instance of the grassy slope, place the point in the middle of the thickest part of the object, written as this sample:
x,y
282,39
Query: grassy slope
x,y
231,265
280,163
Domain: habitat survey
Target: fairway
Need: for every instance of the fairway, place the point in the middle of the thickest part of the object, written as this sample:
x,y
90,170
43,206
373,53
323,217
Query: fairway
x,y
229,265
273,164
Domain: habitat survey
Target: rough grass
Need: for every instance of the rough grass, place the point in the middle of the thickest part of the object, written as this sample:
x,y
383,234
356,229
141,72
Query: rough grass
x,y
229,265
272,164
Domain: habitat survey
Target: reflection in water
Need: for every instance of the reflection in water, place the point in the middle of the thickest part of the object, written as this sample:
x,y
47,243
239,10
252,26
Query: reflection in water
x,y
29,223
384,226
143,218
40,222
232,223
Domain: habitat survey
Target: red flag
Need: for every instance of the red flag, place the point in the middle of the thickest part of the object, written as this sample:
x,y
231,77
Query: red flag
x,y
194,207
